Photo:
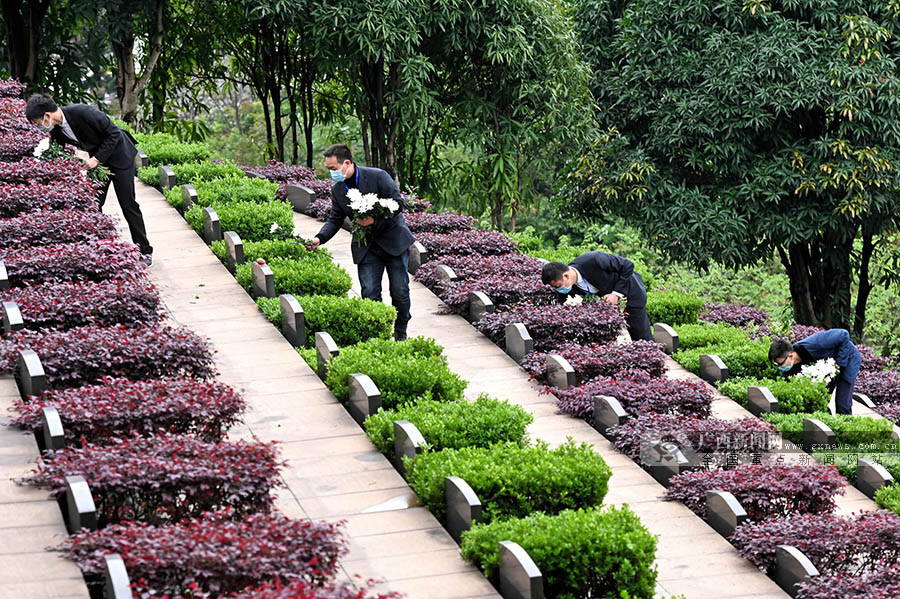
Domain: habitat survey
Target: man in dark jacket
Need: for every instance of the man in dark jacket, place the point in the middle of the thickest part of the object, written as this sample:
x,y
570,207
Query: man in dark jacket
x,y
613,277
388,241
832,343
93,131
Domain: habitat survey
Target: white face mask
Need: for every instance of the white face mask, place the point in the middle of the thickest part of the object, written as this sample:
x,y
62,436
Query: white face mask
x,y
45,126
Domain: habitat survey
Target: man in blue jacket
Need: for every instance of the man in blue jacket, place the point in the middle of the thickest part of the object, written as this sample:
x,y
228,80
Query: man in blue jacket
x,y
388,242
832,343
613,277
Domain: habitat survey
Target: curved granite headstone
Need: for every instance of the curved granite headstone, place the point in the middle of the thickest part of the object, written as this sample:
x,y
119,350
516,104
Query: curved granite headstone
x,y
116,584
52,433
418,256
760,400
234,251
212,228
188,197
816,432
518,341
791,567
712,368
80,509
871,476
445,273
408,442
560,373
300,197
365,398
608,412
463,506
663,333
4,276
263,283
723,512
520,577
30,375
12,317
326,349
293,321
479,305
166,177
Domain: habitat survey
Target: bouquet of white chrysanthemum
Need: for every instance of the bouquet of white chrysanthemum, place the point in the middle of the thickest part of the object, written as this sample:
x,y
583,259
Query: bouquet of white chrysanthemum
x,y
42,147
822,371
365,206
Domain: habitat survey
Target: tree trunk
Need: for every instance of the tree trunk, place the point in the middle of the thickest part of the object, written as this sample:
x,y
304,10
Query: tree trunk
x,y
819,280
24,21
865,285
128,86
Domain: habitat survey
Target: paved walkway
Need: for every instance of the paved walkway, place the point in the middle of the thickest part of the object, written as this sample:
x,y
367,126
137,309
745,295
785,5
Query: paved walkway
x,y
692,558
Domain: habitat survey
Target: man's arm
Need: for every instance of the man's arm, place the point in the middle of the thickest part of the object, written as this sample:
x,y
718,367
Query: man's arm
x,y
622,267
333,224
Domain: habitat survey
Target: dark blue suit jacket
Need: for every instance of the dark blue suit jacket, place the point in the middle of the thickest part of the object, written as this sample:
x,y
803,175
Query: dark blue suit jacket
x,y
98,136
833,343
608,273
393,236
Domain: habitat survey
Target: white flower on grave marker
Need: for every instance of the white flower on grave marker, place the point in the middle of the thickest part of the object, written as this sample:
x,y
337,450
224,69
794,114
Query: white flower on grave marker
x,y
42,147
573,300
822,371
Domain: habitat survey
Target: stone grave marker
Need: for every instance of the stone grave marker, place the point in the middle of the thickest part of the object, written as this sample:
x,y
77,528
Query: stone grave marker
x,y
365,398
418,256
712,368
234,251
141,159
723,512
479,305
520,577
52,434
212,228
300,197
871,476
263,284
560,373
326,349
666,461
188,197
663,333
864,400
760,400
80,509
166,177
791,567
445,273
4,276
12,317
293,321
30,374
816,432
408,441
463,506
518,341
116,584
608,412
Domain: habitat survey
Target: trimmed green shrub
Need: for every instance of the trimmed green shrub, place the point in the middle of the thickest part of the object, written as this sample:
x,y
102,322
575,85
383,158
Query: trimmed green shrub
x,y
888,497
165,149
403,371
673,307
795,394
582,554
848,430
748,359
189,172
309,356
453,425
237,188
252,221
513,481
348,320
267,249
846,460
691,336
301,277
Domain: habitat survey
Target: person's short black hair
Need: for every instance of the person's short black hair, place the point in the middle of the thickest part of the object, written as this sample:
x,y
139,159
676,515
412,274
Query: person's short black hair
x,y
37,105
339,151
553,271
779,348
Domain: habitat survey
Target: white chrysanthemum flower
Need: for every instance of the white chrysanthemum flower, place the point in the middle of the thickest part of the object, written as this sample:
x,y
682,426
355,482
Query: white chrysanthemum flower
x,y
822,371
274,228
573,300
390,204
42,147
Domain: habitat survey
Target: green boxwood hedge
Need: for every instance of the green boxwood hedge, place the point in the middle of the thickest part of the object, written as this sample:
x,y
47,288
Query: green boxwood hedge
x,y
846,462
269,249
404,371
848,430
227,190
888,497
252,221
453,425
348,320
673,307
189,172
691,336
513,481
165,149
747,359
795,394
309,356
301,277
581,553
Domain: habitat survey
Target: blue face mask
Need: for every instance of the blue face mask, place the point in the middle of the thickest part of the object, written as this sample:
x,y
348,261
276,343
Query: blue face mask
x,y
785,367
337,176
563,289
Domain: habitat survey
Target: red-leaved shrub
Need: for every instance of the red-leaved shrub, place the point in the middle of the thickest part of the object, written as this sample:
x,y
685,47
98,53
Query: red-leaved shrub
x,y
881,387
123,408
554,325
763,490
444,222
593,360
32,170
883,583
737,315
852,544
639,393
502,289
85,355
62,195
702,435
473,265
99,260
320,208
304,590
213,555
871,360
891,411
281,172
165,478
18,144
799,332
485,243
11,88
69,305
47,227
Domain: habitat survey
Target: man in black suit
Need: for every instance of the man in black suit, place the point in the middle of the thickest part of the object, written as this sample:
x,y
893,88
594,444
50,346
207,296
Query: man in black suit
x,y
93,131
613,277
388,241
